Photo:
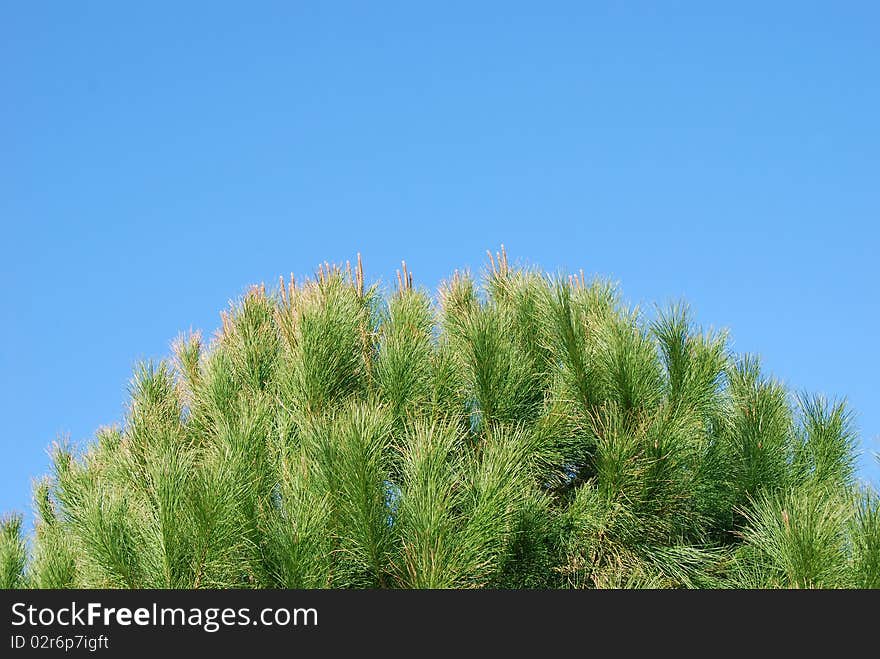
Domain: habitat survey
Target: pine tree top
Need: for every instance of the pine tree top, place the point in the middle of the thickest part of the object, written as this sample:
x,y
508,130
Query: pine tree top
x,y
519,430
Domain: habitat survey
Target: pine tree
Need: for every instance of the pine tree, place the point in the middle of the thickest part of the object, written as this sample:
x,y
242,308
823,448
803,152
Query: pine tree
x,y
520,431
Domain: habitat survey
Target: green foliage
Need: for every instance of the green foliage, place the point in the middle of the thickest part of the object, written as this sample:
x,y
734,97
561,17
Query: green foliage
x,y
523,431
797,538
864,532
13,554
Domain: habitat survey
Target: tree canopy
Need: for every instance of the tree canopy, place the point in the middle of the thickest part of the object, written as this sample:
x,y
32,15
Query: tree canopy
x,y
519,430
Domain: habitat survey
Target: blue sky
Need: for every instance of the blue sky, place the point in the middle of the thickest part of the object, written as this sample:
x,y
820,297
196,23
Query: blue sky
x,y
156,158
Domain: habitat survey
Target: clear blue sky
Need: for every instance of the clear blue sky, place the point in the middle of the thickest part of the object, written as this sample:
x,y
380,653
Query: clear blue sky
x,y
155,158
